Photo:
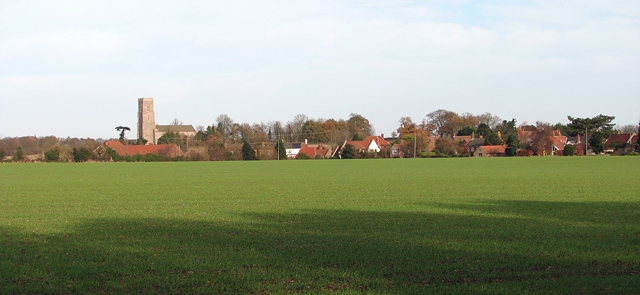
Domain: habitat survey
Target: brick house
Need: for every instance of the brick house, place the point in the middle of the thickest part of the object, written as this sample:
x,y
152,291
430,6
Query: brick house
x,y
490,151
621,143
166,150
371,144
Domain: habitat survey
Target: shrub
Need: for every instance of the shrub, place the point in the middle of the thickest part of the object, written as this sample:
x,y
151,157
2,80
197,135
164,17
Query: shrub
x,y
179,159
132,158
81,155
52,155
19,154
348,152
369,155
141,141
569,150
303,156
524,153
153,158
511,151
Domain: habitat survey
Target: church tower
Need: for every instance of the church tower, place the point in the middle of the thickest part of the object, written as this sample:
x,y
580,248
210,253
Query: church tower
x,y
146,120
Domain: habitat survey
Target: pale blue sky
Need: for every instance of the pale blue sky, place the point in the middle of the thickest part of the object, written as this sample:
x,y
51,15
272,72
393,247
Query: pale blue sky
x,y
76,68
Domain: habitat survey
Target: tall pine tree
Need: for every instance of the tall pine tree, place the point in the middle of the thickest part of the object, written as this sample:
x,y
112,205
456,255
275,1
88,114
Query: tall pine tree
x,y
281,150
247,151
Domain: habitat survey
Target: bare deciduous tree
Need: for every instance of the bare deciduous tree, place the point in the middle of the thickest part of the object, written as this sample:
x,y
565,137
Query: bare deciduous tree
x,y
489,119
225,125
443,122
627,129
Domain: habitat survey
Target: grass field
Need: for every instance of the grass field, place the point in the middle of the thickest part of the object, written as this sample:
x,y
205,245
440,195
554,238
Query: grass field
x,y
561,225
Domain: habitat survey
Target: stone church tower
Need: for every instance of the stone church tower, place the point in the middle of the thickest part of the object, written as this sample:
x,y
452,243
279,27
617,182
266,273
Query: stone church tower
x,y
146,120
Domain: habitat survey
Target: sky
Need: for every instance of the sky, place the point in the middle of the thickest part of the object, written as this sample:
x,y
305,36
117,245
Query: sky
x,y
77,68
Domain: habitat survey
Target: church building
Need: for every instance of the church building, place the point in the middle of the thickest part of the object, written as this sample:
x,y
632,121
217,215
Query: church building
x,y
147,128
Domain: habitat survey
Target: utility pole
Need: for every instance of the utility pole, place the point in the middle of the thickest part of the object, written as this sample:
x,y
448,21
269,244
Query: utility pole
x,y
586,141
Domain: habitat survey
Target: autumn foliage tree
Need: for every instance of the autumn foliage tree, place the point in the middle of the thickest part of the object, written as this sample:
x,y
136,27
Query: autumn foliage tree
x,y
216,149
413,137
314,131
360,125
542,142
447,145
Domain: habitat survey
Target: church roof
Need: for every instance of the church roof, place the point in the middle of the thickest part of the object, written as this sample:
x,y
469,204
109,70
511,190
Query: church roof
x,y
175,128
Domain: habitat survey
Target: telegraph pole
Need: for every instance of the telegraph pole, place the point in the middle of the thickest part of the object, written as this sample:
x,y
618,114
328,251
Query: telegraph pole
x,y
415,140
586,141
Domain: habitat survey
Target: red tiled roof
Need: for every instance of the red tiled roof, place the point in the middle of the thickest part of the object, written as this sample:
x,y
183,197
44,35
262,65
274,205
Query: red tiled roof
x,y
465,138
170,150
378,139
619,138
359,144
312,152
493,149
559,141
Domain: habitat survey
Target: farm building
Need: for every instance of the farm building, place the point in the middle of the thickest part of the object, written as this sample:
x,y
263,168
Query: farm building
x,y
166,150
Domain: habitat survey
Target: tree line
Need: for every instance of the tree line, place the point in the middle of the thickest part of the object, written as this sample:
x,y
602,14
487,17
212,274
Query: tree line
x,y
48,148
228,140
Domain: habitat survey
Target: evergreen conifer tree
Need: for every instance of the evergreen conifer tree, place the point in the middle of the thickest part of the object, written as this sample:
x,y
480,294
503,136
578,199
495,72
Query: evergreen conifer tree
x,y
348,152
282,152
247,151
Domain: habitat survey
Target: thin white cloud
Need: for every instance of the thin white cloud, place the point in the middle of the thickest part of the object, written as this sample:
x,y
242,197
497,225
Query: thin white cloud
x,y
406,58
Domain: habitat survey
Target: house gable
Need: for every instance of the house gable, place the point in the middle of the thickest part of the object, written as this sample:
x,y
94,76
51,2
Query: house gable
x,y
618,139
490,151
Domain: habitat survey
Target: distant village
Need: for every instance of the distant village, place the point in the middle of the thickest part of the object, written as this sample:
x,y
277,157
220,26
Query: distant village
x,y
442,133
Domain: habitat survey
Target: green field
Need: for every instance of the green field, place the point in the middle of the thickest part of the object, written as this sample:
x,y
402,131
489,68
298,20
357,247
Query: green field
x,y
537,225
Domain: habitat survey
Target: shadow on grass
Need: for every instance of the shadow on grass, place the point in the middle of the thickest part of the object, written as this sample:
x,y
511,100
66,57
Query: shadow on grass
x,y
493,247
